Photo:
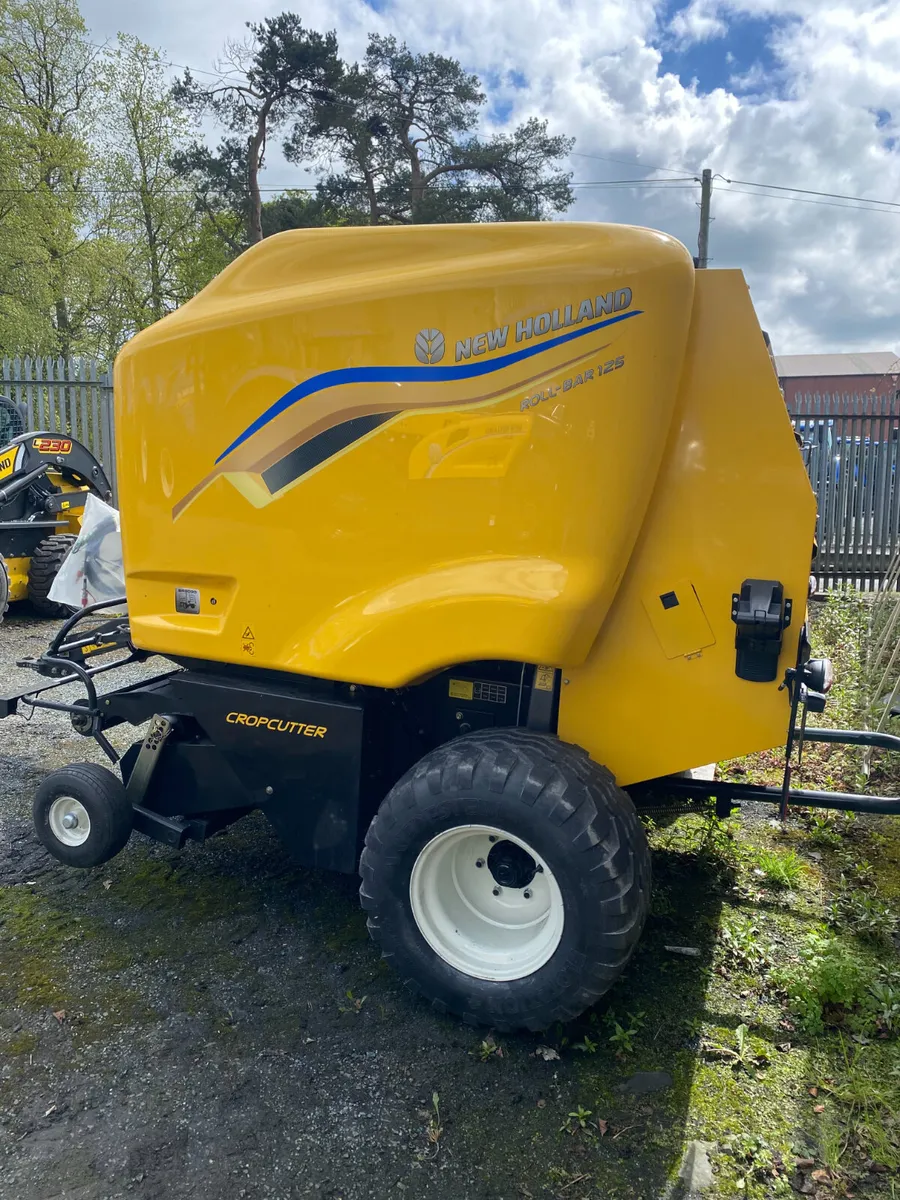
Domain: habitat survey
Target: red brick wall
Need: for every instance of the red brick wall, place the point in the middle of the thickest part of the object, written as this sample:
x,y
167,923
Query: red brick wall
x,y
824,385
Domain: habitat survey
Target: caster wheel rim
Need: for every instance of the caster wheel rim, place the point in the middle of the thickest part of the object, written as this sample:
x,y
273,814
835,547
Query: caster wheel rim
x,y
486,903
69,821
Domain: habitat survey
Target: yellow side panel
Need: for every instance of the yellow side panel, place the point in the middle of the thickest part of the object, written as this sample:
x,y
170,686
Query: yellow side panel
x,y
386,451
732,502
17,569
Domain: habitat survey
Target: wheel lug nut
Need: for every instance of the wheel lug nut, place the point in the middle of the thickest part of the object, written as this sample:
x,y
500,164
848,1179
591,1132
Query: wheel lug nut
x,y
491,838
527,894
479,862
496,891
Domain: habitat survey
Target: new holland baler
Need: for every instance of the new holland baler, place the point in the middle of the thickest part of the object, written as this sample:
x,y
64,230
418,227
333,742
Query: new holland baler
x,y
453,537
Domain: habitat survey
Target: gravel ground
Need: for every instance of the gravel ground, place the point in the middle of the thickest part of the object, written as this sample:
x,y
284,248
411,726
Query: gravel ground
x,y
215,1023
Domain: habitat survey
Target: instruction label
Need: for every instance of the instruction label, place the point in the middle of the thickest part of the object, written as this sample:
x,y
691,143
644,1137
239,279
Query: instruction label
x,y
543,678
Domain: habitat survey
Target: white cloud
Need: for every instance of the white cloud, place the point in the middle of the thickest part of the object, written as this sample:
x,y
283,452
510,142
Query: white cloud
x,y
822,277
698,22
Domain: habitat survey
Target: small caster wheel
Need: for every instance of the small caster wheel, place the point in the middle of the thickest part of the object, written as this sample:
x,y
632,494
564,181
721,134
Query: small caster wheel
x,y
82,815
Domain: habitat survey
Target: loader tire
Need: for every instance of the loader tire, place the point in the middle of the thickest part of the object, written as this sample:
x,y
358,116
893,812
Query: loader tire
x,y
82,815
46,560
4,589
507,879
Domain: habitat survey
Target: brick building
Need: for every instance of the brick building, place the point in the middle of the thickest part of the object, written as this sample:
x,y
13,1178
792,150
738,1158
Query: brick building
x,y
876,374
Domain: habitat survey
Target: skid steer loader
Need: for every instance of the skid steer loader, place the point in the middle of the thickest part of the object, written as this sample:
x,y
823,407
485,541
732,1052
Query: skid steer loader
x,y
461,543
45,479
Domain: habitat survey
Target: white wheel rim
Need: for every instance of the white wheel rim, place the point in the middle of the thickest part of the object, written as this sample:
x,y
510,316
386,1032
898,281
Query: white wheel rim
x,y
70,822
477,924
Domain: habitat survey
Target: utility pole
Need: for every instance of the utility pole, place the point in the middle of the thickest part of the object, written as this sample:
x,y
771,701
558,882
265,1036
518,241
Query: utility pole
x,y
705,197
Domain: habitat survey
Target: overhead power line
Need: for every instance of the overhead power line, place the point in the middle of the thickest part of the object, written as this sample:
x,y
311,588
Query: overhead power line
x,y
633,162
779,187
164,62
889,212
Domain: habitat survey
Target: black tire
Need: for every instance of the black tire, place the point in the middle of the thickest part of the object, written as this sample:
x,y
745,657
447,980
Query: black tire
x,y
4,589
46,560
568,809
102,795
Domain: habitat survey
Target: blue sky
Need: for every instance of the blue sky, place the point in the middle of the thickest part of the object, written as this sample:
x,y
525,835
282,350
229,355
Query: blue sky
x,y
744,48
792,93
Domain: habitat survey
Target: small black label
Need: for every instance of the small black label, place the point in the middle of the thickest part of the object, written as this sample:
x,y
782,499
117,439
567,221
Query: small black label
x,y
669,600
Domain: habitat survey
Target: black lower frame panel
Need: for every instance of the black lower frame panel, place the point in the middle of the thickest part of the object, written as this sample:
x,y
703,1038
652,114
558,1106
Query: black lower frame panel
x,y
296,754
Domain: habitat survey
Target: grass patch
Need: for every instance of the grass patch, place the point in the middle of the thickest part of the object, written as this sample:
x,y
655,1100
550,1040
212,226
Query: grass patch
x,y
780,868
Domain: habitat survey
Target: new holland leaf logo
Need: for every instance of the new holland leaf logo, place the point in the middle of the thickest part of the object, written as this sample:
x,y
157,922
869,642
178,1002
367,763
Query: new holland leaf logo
x,y
429,346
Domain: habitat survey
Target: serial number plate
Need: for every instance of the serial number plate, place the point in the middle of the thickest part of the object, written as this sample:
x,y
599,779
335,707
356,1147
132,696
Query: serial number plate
x,y
187,600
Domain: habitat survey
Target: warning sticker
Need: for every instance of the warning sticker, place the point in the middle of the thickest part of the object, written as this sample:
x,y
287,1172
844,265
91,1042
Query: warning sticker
x,y
248,635
462,689
543,678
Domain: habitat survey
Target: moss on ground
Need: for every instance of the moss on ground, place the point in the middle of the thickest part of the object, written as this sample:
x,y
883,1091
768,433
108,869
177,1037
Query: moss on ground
x,y
767,986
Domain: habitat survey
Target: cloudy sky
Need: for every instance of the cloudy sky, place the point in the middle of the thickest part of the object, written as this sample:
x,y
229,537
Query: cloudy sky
x,y
788,93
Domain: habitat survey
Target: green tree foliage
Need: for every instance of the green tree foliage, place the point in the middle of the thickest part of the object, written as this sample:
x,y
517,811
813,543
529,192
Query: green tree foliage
x,y
159,254
403,126
113,211
273,77
48,81
299,210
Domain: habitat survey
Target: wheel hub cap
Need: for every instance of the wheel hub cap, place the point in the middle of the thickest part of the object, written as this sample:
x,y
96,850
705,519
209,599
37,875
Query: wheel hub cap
x,y
510,865
486,903
69,821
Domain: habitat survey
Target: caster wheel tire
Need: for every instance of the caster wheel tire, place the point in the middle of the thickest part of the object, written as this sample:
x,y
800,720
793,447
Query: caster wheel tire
x,y
82,815
507,879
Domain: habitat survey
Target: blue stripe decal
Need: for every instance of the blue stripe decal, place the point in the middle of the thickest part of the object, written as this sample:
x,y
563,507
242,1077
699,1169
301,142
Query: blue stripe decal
x,y
329,379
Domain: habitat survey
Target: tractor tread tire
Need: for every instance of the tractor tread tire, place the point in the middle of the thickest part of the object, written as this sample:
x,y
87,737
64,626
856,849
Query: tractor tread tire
x,y
46,561
598,841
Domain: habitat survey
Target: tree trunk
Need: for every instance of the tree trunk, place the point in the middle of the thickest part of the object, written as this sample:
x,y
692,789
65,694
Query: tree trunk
x,y
372,193
157,306
63,327
256,147
417,187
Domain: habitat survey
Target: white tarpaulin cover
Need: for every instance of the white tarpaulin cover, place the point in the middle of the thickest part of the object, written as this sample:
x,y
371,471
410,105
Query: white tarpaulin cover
x,y
92,571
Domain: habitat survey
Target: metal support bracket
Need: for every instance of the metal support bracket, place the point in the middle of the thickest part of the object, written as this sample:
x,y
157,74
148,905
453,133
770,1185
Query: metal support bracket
x,y
155,739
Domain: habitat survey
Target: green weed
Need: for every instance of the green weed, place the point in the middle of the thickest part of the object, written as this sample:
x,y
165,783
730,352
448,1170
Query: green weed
x,y
864,914
824,830
869,1109
623,1036
355,1004
586,1046
710,842
755,1160
486,1049
885,1003
576,1121
780,868
829,982
739,939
